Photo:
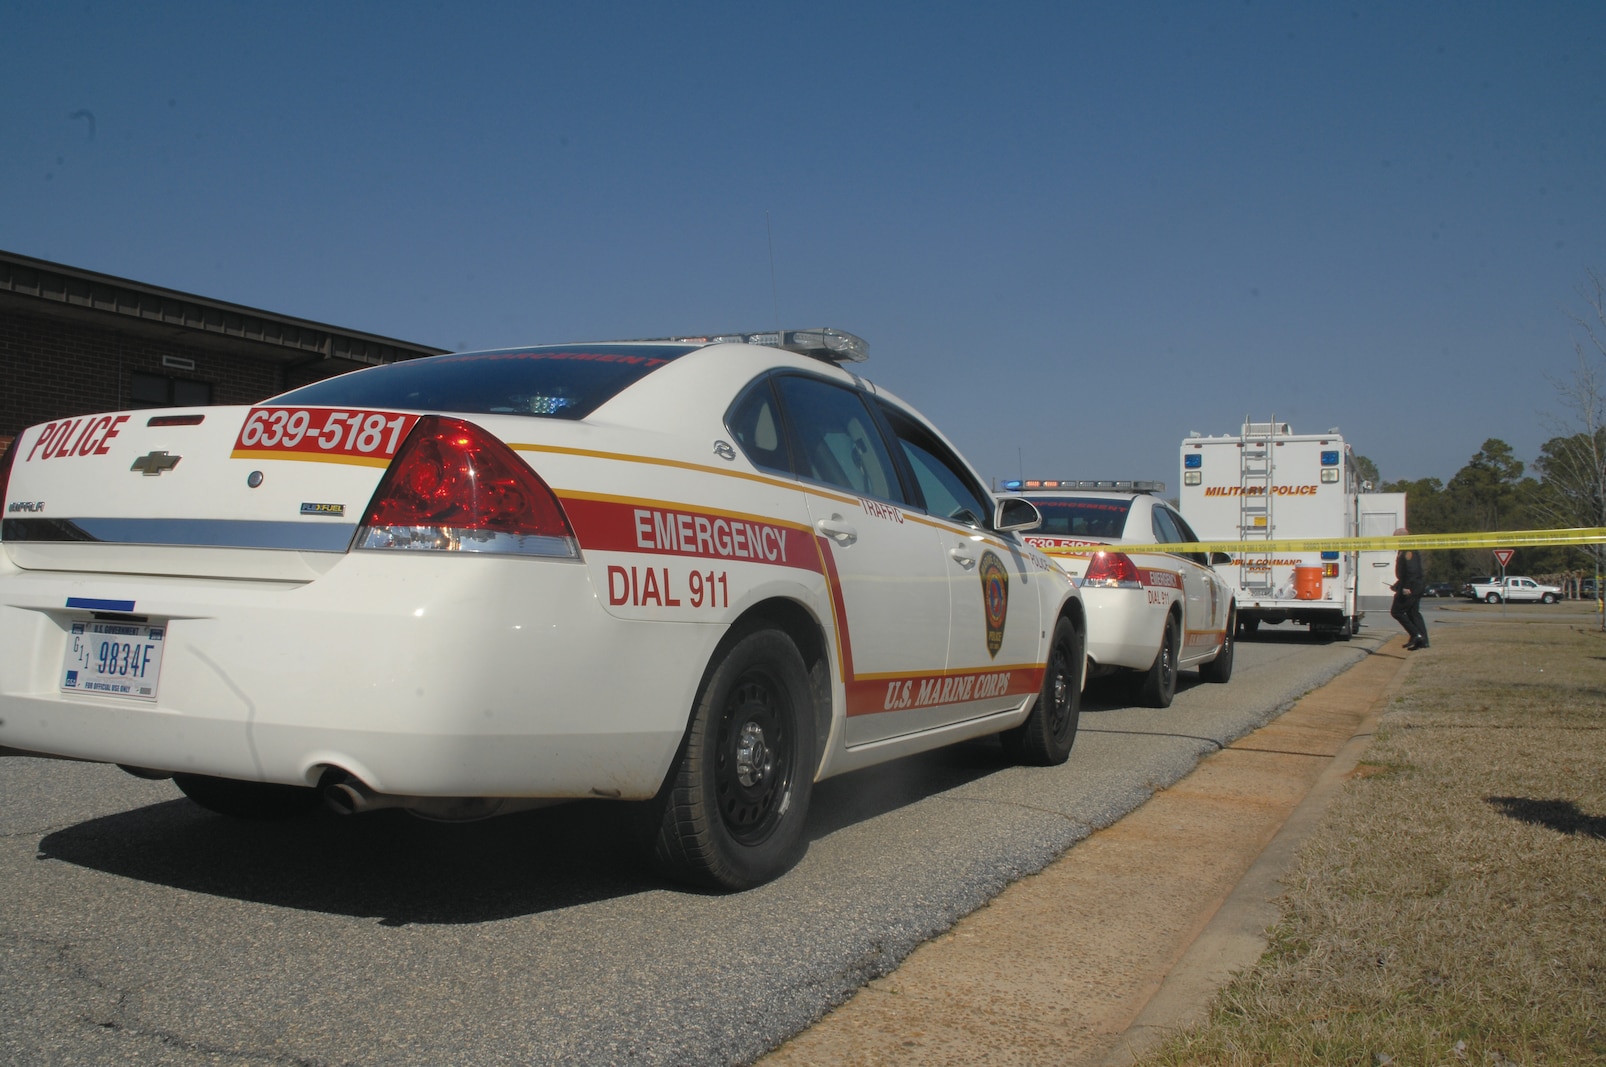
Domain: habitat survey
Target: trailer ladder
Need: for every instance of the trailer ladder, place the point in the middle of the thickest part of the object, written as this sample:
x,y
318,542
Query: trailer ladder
x,y
1256,466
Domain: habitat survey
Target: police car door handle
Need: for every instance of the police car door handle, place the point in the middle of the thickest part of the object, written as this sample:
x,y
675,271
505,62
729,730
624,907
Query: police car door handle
x,y
841,532
962,557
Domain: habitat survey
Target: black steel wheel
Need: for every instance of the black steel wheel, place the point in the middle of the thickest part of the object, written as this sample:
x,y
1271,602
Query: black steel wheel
x,y
1220,668
1159,685
1046,737
731,816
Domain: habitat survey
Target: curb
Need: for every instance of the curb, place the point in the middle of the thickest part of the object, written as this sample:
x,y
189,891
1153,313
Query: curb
x,y
1235,937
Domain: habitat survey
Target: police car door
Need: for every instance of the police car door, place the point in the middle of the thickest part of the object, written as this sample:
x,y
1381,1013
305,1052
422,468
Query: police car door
x,y
885,569
1203,609
995,638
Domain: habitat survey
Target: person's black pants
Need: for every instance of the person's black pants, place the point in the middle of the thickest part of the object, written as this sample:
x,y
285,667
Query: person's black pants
x,y
1407,611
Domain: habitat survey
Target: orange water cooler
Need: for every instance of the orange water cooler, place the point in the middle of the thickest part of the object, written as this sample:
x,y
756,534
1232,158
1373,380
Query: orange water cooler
x,y
1308,581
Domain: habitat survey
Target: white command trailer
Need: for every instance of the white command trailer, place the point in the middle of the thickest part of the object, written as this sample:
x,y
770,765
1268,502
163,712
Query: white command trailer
x,y
1381,515
1267,483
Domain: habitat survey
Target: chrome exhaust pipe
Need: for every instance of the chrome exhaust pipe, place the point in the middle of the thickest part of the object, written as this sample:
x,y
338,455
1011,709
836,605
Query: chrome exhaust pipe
x,y
350,797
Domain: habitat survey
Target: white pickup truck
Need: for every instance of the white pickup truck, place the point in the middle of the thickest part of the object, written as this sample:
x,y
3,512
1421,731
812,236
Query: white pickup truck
x,y
1515,589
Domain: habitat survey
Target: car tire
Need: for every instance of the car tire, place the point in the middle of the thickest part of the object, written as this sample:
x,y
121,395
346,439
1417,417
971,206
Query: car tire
x,y
1159,685
1220,669
1492,598
1046,737
1249,626
257,801
1548,598
731,815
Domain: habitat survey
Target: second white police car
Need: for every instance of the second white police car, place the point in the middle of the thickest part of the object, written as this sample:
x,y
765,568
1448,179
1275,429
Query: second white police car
x,y
698,573
1149,613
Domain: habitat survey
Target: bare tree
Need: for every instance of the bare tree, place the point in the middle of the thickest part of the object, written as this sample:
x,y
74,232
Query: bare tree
x,y
1573,464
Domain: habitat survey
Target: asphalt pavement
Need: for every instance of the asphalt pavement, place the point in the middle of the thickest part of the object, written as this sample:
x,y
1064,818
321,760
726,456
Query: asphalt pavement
x,y
136,928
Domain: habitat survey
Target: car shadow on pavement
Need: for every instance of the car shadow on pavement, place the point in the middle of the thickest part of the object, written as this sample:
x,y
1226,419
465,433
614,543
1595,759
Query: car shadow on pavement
x,y
1118,692
404,870
388,865
860,796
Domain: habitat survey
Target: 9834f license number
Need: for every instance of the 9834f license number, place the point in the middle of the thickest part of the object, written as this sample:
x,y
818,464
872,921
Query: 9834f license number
x,y
122,659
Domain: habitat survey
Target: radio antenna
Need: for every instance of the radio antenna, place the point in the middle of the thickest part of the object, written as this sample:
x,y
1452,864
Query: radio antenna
x,y
775,296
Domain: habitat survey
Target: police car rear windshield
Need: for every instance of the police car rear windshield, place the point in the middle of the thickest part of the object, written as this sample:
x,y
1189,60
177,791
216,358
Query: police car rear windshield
x,y
561,382
1081,518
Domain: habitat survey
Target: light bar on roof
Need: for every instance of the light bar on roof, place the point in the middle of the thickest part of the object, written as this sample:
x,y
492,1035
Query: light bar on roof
x,y
1030,485
831,345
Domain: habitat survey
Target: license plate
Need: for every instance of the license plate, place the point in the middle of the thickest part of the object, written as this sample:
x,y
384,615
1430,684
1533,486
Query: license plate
x,y
121,659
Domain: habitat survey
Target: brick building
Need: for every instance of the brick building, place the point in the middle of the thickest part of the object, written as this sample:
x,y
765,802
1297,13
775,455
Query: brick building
x,y
74,342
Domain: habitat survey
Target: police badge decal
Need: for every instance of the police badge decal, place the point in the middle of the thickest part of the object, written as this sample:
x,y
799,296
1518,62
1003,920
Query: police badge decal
x,y
995,599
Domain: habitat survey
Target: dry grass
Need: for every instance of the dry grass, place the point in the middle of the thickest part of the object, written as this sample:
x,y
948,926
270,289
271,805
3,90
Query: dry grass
x,y
1452,909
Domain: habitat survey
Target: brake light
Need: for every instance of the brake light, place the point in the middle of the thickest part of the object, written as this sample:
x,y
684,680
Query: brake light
x,y
454,488
1112,570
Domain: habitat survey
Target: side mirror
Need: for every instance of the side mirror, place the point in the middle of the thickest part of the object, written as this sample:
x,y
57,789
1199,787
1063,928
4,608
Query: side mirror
x,y
1013,513
1218,558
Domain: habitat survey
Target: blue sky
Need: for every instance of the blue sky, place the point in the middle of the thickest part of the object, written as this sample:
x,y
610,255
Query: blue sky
x,y
1071,233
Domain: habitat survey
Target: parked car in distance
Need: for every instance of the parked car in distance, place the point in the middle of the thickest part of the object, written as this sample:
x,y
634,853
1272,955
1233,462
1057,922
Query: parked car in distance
x,y
1151,614
1515,589
1440,589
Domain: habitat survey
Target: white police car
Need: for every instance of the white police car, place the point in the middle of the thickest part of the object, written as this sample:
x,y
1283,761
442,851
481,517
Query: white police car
x,y
699,572
1148,612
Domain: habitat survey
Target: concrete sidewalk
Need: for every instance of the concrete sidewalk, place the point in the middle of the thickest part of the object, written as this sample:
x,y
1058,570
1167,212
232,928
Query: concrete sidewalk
x,y
1128,935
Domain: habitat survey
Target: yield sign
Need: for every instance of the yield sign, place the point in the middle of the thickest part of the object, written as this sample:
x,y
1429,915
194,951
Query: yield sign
x,y
1503,555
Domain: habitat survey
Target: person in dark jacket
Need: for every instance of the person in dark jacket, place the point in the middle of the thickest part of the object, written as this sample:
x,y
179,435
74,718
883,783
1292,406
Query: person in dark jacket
x,y
1409,584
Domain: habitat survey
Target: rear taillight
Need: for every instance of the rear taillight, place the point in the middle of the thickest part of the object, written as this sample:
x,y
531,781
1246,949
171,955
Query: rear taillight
x,y
1112,569
454,488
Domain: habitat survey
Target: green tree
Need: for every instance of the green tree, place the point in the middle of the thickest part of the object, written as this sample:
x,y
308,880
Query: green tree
x,y
1573,464
1366,471
1489,493
1572,491
1424,505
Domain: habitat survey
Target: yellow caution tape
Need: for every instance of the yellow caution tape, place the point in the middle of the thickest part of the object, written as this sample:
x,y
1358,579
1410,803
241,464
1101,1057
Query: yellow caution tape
x,y
1592,535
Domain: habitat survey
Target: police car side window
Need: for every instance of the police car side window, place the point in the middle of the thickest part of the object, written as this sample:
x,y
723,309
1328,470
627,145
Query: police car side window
x,y
945,484
835,438
1164,532
755,422
1182,526
1176,531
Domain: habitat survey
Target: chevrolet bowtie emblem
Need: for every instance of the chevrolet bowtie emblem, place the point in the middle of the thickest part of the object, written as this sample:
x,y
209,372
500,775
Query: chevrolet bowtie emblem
x,y
154,463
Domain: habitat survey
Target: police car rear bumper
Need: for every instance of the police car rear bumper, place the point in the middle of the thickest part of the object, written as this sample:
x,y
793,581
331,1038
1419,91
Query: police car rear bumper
x,y
1123,630
423,676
